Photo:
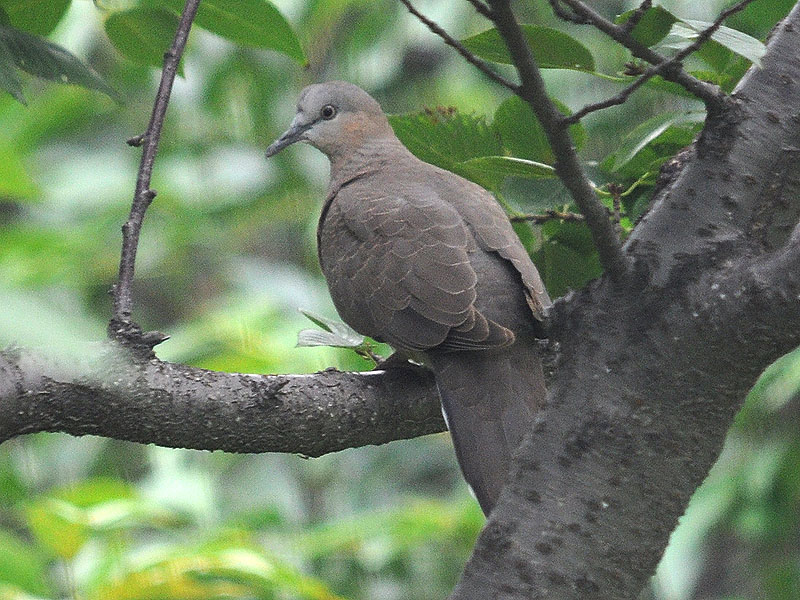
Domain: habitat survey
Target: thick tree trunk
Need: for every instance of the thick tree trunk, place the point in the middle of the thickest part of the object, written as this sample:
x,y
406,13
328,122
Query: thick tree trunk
x,y
651,376
646,384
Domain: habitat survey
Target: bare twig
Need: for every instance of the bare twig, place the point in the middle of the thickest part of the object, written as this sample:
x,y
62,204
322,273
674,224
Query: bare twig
x,y
121,328
637,15
616,100
713,97
481,8
550,215
565,15
459,47
567,165
663,68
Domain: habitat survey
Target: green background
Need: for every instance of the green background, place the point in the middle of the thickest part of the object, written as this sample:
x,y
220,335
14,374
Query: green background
x,y
227,258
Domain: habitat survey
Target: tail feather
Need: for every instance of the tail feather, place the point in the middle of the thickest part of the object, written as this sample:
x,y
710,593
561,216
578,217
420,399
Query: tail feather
x,y
489,399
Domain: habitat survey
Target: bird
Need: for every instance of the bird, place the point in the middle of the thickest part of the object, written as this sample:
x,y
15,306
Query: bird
x,y
428,262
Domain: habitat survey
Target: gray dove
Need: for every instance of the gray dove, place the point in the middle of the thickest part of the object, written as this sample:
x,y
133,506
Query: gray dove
x,y
428,262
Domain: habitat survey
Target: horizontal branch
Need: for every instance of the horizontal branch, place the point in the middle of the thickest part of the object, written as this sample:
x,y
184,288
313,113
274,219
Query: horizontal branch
x,y
549,215
107,393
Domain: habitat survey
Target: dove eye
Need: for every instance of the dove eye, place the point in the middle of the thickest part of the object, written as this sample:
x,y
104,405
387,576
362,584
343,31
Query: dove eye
x,y
328,112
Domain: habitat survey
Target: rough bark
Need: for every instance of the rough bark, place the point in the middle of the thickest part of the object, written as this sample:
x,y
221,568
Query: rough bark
x,y
652,375
649,376
112,393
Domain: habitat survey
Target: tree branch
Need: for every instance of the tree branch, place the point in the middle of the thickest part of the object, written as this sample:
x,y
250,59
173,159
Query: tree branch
x,y
659,69
481,8
636,16
550,215
562,14
481,65
567,165
121,328
713,97
649,380
110,393
755,178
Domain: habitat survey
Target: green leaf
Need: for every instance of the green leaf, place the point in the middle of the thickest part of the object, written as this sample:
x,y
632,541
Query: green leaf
x,y
65,520
35,16
22,565
444,136
685,32
468,146
59,526
44,59
90,492
552,49
255,23
575,235
491,171
567,260
116,5
309,338
645,133
14,179
653,27
122,515
760,16
9,81
404,528
642,135
520,131
142,35
658,24
777,386
522,135
736,41
215,570
335,333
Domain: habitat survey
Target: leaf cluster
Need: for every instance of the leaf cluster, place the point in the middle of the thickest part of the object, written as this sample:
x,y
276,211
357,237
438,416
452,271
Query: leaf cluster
x,y
227,256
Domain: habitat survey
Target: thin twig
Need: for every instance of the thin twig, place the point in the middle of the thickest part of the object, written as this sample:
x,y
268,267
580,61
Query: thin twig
x,y
562,14
459,47
713,97
121,328
663,68
550,215
637,15
567,165
481,8
613,101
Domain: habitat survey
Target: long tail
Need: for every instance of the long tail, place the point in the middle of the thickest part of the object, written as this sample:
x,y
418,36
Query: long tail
x,y
489,399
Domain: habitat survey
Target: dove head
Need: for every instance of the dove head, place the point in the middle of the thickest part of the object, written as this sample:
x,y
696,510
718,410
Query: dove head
x,y
337,118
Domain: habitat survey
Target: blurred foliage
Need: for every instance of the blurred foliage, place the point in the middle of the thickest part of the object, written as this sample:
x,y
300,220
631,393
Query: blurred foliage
x,y
743,524
227,259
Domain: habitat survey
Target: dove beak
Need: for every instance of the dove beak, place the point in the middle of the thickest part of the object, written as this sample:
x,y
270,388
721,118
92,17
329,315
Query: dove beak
x,y
294,134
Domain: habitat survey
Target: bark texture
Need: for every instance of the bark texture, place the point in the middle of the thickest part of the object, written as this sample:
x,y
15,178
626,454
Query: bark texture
x,y
112,393
647,375
651,375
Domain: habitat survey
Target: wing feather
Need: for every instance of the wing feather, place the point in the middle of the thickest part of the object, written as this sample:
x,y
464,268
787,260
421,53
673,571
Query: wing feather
x,y
399,270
